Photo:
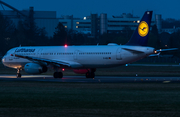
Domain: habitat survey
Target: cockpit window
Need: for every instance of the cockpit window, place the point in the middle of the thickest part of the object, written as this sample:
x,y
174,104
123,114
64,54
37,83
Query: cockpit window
x,y
10,52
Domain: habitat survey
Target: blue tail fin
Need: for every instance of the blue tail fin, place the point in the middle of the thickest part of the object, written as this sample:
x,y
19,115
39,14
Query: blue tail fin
x,y
141,34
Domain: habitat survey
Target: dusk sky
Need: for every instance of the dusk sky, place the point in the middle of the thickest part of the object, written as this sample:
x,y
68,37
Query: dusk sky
x,y
81,8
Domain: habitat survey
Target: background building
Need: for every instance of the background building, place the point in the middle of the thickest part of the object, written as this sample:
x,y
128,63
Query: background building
x,y
43,19
97,25
93,25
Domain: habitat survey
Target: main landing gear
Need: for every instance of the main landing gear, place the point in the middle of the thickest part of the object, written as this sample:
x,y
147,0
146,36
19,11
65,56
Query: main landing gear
x,y
90,73
58,74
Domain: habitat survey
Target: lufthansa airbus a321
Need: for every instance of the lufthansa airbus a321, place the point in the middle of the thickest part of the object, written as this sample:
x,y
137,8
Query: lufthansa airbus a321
x,y
82,59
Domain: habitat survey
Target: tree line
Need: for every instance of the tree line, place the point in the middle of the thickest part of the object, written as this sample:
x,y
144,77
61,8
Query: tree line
x,y
26,33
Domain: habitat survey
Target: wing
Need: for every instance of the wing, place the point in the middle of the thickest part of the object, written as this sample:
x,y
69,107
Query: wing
x,y
54,62
133,51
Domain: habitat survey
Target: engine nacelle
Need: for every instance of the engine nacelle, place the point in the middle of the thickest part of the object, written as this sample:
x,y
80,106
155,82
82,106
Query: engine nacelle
x,y
34,68
80,71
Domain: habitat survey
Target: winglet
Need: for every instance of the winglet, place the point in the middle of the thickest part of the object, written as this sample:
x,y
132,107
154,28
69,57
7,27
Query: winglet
x,y
141,34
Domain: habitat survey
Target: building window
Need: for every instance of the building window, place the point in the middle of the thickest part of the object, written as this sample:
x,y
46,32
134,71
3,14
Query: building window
x,y
83,26
64,22
84,22
114,25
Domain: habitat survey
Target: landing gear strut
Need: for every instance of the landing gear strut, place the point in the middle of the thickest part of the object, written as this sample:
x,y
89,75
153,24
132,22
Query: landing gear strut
x,y
18,73
90,73
58,74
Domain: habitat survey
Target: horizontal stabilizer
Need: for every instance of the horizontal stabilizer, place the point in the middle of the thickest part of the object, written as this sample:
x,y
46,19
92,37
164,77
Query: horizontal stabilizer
x,y
154,55
158,52
163,50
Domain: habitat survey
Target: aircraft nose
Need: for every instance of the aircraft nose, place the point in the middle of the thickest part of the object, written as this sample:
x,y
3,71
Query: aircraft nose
x,y
3,59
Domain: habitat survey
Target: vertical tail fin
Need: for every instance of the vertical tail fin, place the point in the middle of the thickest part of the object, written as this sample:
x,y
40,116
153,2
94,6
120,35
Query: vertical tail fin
x,y
141,34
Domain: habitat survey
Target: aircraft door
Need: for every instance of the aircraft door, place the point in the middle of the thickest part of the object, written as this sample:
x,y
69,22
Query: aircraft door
x,y
13,58
76,52
39,53
118,54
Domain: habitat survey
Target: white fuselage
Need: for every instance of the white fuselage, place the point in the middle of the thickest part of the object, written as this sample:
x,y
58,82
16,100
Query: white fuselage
x,y
85,56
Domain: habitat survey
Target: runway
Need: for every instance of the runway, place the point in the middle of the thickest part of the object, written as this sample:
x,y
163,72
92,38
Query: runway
x,y
97,79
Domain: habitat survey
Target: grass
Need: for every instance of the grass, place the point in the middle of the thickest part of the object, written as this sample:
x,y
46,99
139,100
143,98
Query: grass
x,y
20,98
89,99
141,71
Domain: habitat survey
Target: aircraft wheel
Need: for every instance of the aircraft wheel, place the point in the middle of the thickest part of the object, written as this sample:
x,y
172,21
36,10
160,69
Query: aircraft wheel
x,y
18,75
55,75
58,74
90,75
87,75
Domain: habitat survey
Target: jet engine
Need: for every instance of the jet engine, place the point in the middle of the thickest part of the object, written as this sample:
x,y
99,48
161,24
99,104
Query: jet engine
x,y
34,68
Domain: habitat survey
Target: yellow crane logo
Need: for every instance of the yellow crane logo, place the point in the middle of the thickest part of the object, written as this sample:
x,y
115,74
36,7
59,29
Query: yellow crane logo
x,y
143,29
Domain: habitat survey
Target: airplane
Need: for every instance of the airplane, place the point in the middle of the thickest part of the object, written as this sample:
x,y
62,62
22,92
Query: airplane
x,y
82,59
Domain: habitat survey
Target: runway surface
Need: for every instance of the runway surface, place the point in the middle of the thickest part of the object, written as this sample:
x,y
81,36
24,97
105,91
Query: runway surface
x,y
97,79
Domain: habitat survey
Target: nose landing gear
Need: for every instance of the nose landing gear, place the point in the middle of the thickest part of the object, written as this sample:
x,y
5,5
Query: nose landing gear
x,y
18,75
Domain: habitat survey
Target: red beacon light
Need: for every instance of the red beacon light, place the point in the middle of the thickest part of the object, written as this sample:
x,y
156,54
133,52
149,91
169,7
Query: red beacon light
x,y
65,45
